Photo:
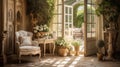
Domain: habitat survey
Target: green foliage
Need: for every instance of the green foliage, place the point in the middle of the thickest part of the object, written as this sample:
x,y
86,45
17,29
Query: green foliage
x,y
76,43
41,9
78,15
75,10
100,44
61,42
109,9
79,20
51,9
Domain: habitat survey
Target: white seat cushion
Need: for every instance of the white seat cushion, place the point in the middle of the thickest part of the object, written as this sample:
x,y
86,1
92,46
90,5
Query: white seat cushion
x,y
29,48
25,50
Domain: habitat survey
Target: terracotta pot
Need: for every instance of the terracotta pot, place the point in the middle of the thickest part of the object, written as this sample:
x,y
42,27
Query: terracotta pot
x,y
72,53
63,51
99,56
77,49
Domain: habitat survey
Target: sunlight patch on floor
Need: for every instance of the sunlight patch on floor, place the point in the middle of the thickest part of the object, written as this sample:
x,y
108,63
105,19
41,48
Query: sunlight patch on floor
x,y
62,63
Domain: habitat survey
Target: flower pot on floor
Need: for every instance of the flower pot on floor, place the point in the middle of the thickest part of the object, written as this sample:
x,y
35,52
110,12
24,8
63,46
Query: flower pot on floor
x,y
77,49
99,56
63,51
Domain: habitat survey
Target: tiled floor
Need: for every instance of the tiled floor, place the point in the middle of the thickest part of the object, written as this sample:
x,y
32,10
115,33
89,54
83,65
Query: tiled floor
x,y
69,61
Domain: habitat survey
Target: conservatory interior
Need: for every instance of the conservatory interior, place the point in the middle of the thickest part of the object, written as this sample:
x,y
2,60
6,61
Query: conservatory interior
x,y
59,33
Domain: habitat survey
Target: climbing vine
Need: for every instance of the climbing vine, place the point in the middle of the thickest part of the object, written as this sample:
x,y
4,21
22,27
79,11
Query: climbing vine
x,y
42,10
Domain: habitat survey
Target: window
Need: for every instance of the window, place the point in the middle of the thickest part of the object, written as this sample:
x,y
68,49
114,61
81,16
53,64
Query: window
x,y
57,21
91,22
68,23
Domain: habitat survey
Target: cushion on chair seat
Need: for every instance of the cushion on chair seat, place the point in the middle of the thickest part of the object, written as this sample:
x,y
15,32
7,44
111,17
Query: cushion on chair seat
x,y
29,50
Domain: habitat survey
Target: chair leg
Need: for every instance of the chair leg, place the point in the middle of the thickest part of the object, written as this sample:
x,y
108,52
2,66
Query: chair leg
x,y
40,56
19,58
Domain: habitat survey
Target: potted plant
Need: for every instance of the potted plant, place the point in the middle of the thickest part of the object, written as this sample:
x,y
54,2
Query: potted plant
x,y
62,46
109,9
76,45
101,49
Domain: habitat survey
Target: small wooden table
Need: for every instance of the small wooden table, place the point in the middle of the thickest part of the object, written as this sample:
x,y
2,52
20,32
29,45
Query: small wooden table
x,y
47,41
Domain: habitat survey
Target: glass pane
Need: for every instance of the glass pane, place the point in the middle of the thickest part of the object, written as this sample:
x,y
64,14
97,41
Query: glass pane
x,y
93,26
89,9
59,27
70,25
55,10
60,1
93,34
89,18
66,26
66,18
55,18
59,34
59,18
60,9
89,35
70,18
66,10
93,9
54,27
70,10
89,28
92,18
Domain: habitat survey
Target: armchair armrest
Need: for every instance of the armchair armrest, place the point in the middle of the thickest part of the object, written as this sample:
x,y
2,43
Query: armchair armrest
x,y
18,43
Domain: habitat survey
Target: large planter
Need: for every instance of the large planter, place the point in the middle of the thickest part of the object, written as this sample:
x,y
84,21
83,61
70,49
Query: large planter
x,y
63,51
77,49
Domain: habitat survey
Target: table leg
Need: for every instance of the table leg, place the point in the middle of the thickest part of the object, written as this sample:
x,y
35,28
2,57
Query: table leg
x,y
50,47
44,49
53,48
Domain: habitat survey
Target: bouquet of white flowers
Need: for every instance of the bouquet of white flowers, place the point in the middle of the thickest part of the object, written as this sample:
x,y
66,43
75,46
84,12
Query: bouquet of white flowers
x,y
40,28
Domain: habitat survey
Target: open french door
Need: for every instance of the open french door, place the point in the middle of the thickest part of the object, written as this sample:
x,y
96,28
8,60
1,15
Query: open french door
x,y
68,21
90,27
